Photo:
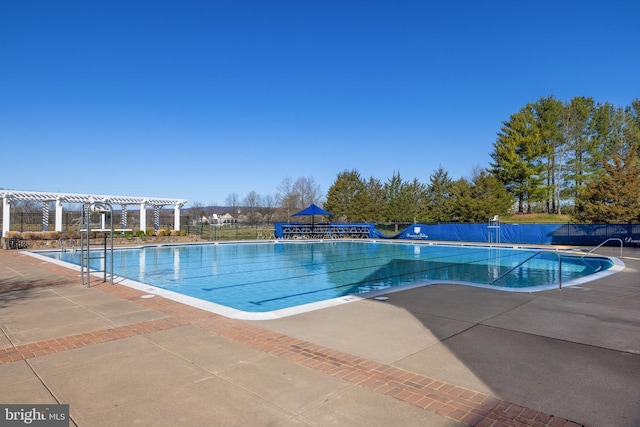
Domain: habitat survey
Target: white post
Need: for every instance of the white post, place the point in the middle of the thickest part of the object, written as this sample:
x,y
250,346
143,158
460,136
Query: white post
x,y
58,214
143,217
176,217
6,213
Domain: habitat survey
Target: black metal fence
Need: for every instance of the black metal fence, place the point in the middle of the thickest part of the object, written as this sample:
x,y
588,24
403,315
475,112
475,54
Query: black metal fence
x,y
234,231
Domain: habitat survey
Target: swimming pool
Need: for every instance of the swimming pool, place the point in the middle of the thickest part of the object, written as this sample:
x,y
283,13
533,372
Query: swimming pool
x,y
280,277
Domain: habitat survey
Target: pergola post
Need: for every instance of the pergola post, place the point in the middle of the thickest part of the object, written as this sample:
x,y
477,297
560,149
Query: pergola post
x,y
58,214
156,218
176,217
6,215
124,217
143,217
45,216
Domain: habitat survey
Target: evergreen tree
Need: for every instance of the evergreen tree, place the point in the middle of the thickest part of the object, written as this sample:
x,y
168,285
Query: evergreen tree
x,y
547,112
608,135
480,199
634,112
614,197
546,152
462,198
397,204
374,201
517,154
439,196
632,124
577,124
346,197
490,198
415,194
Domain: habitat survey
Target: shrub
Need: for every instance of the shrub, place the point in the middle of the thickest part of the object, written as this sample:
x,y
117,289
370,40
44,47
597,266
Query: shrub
x,y
151,232
13,235
31,235
139,233
50,235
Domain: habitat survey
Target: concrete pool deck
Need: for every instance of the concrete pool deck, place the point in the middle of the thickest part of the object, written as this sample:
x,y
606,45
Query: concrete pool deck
x,y
442,355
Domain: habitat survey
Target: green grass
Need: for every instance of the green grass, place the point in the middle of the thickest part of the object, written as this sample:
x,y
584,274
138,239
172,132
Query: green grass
x,y
229,233
536,219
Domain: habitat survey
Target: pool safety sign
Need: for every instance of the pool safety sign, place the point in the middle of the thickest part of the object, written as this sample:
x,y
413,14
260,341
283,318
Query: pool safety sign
x,y
34,415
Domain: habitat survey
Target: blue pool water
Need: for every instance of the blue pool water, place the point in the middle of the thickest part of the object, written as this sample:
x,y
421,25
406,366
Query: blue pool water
x,y
262,277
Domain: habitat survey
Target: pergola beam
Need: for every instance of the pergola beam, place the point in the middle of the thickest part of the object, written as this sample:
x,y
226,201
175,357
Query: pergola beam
x,y
8,196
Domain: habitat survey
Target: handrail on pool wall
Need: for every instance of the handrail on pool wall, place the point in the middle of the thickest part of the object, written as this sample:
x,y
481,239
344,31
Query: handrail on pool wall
x,y
530,258
560,260
608,240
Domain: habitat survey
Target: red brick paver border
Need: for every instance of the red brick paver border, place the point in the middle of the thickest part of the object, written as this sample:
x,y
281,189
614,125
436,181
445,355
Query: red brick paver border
x,y
448,400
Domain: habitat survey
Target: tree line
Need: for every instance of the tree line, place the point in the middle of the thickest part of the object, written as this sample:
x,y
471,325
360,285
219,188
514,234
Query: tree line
x,y
254,208
555,154
352,198
578,157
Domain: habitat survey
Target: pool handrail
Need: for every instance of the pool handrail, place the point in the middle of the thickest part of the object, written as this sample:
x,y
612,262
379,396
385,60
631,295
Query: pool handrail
x,y
608,240
530,258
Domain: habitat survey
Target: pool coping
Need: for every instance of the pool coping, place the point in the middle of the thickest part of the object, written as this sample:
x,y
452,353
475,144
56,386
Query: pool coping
x,y
233,313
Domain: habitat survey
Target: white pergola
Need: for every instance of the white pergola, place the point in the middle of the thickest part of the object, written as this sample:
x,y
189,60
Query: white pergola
x,y
9,196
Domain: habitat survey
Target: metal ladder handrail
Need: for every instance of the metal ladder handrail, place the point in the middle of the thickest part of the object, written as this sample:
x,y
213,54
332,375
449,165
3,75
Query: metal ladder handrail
x,y
529,259
85,239
608,240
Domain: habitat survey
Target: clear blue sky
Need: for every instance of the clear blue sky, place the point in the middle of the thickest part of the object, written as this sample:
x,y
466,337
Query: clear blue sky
x,y
199,99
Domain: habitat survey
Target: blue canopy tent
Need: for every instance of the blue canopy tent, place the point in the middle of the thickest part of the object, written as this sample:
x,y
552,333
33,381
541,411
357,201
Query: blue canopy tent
x,y
312,210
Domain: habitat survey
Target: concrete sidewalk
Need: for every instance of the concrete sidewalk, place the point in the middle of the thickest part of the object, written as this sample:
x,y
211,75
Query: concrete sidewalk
x,y
442,355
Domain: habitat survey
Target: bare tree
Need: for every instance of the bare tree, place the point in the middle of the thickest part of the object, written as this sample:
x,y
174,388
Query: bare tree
x,y
29,213
252,201
286,197
293,196
307,191
269,207
233,201
197,210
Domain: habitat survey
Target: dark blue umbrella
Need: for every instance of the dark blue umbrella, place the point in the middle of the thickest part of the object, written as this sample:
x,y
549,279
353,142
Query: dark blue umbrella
x,y
312,210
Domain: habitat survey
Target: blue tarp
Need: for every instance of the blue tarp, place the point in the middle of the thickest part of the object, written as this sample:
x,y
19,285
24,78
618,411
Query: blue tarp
x,y
536,234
